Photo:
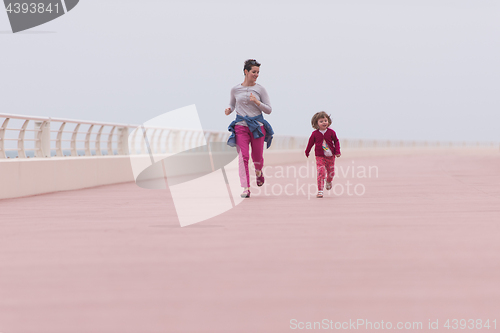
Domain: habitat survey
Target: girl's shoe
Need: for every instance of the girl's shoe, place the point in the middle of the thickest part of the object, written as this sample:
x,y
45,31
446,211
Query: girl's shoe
x,y
328,186
245,194
320,194
260,179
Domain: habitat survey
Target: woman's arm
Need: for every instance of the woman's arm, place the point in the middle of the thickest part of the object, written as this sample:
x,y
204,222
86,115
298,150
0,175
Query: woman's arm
x,y
232,103
264,104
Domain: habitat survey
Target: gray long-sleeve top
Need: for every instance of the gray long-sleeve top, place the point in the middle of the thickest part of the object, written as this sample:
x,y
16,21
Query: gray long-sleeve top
x,y
241,103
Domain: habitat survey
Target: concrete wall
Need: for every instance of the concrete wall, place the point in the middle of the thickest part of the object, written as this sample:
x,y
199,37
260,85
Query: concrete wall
x,y
25,177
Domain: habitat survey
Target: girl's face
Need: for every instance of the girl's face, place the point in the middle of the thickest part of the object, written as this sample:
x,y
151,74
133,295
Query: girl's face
x,y
323,123
252,74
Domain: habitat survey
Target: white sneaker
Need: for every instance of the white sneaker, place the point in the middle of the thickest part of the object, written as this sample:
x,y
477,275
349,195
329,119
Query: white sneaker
x,y
328,186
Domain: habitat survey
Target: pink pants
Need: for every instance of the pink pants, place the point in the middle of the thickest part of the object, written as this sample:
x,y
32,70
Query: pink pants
x,y
325,166
243,138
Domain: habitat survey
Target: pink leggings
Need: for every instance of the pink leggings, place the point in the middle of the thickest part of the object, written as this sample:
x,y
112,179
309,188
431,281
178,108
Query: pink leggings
x,y
325,166
243,138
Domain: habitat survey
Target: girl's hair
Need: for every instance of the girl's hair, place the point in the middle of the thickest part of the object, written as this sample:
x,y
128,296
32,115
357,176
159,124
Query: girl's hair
x,y
249,64
317,116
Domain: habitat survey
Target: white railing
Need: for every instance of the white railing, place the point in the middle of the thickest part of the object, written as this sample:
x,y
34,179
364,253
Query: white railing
x,y
59,137
68,137
357,143
159,140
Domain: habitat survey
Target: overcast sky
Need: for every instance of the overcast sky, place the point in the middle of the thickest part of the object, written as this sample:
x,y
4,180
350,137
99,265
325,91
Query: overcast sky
x,y
418,70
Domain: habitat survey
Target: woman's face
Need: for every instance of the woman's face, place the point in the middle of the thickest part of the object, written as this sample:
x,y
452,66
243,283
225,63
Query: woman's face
x,y
253,74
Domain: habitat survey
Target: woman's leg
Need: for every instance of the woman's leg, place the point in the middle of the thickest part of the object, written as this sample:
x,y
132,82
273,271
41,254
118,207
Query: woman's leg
x,y
321,168
243,136
258,150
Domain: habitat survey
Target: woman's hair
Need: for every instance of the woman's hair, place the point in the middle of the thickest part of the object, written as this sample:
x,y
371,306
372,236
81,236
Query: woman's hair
x,y
317,116
249,64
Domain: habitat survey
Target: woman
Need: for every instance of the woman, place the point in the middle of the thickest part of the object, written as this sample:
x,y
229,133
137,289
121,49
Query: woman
x,y
249,100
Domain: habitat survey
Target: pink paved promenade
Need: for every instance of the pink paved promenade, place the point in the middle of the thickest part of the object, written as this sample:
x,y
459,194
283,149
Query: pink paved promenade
x,y
419,243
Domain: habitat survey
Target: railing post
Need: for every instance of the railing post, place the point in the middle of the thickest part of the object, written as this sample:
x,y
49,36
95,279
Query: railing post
x,y
87,141
2,138
167,142
186,142
208,136
176,141
144,134
152,142
42,137
110,141
132,141
21,152
98,150
123,141
159,142
74,151
59,151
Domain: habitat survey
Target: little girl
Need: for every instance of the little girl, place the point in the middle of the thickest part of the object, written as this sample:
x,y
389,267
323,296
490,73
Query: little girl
x,y
327,148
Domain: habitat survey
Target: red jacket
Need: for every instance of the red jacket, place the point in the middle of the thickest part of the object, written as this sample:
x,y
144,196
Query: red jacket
x,y
317,139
